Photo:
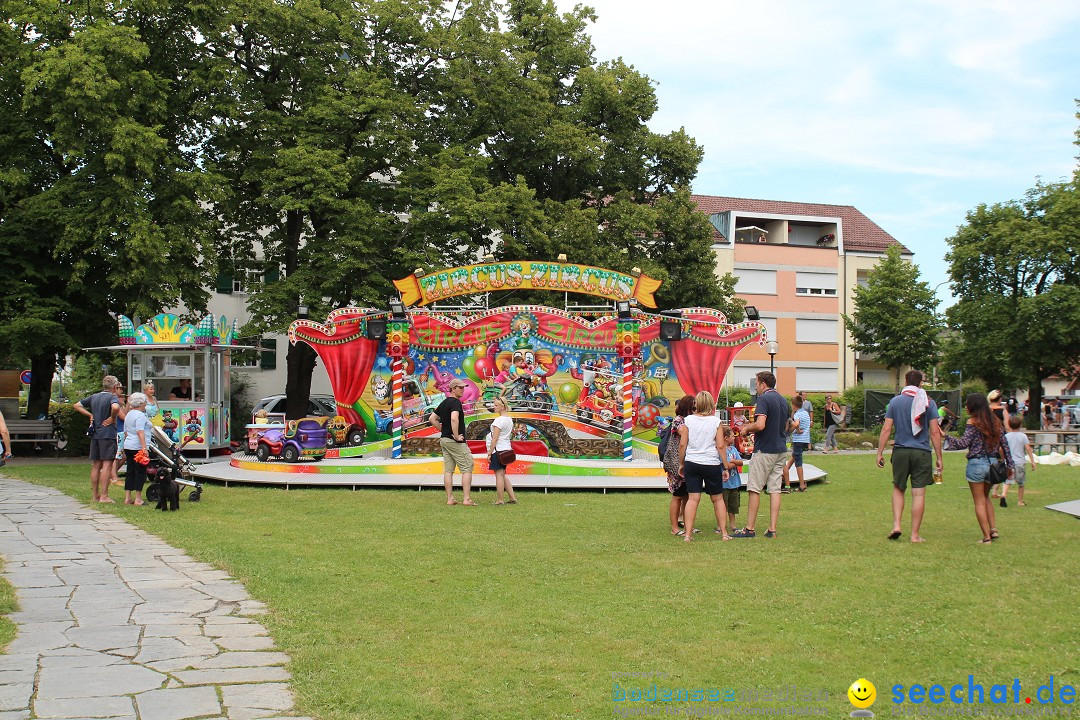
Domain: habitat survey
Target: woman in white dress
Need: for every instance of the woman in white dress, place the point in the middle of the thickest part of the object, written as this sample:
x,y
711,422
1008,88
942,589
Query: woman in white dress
x,y
500,441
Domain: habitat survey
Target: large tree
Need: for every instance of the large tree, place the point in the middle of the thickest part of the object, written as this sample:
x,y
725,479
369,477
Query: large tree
x,y
364,139
895,318
103,202
1015,267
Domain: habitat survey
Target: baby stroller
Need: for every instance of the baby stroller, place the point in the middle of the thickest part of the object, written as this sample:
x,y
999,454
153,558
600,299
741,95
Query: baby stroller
x,y
168,465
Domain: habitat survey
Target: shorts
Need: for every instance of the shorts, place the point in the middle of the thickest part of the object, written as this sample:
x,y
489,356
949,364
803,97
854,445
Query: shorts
x,y
978,469
797,449
709,478
1019,474
103,449
455,454
766,471
136,472
731,499
914,463
493,462
120,435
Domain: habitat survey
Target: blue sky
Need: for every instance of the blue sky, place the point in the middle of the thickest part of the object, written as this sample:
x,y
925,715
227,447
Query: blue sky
x,y
913,112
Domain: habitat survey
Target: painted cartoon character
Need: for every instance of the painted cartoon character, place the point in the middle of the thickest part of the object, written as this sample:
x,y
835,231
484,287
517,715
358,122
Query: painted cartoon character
x,y
169,425
194,428
380,389
442,382
524,360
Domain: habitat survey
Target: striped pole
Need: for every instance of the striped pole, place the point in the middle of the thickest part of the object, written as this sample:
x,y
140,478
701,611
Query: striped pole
x,y
628,409
396,426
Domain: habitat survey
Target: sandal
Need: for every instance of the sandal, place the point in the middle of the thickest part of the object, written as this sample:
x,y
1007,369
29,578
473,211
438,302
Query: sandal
x,y
895,535
680,533
498,502
985,541
744,533
994,534
469,503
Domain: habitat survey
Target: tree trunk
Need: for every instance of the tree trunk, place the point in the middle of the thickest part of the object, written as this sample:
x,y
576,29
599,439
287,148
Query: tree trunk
x,y
1033,419
300,362
42,368
300,359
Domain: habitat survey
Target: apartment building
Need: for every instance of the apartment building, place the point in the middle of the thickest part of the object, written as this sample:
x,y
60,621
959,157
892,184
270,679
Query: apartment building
x,y
798,264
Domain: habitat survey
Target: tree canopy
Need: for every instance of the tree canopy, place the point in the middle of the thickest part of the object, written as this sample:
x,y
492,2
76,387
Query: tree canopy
x,y
895,318
1015,267
334,145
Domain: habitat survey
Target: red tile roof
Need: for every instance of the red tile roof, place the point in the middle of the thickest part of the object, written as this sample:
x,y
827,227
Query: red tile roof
x,y
861,234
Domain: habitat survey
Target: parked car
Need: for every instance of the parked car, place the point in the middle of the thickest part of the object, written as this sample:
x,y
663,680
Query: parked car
x,y
318,406
304,438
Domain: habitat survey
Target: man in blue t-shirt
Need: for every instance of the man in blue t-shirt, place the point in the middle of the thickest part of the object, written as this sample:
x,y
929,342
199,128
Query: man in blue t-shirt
x,y
102,408
770,453
915,418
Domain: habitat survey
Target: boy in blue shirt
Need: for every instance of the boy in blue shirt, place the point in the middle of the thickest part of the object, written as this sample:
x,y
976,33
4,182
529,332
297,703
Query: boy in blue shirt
x,y
733,462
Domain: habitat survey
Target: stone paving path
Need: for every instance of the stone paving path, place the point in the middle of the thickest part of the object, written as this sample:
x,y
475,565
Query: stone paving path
x,y
115,623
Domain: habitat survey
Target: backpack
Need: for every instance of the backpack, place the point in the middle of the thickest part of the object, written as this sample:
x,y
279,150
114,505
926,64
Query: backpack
x,y
665,437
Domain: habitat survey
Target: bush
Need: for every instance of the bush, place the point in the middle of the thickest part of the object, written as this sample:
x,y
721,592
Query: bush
x,y
74,425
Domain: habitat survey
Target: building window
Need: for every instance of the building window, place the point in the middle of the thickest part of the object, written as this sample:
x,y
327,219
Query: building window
x,y
817,379
814,283
245,358
770,327
816,331
756,282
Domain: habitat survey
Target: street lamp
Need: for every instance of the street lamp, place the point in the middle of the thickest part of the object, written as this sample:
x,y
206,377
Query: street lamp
x,y
772,347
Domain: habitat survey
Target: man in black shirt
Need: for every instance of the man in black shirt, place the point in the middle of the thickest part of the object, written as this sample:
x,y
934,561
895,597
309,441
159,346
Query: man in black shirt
x,y
181,392
449,417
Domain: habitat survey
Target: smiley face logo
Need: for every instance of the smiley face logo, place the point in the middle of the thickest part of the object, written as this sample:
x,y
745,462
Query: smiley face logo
x,y
862,693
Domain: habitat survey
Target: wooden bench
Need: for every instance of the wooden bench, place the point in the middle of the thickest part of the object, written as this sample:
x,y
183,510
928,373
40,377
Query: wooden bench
x,y
39,432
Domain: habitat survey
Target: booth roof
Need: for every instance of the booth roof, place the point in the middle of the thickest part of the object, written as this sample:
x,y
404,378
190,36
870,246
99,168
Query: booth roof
x,y
169,346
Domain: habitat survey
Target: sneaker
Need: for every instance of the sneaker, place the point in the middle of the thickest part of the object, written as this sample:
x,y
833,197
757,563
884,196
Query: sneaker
x,y
770,534
1003,502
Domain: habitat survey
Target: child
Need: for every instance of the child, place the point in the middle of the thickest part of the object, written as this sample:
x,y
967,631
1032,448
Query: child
x,y
732,463
262,417
1018,446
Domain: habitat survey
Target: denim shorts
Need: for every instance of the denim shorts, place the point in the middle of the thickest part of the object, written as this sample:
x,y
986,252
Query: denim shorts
x,y
978,469
797,450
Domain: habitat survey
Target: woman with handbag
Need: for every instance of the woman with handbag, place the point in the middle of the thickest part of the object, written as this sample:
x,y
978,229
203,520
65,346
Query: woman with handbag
x,y
502,453
988,457
675,481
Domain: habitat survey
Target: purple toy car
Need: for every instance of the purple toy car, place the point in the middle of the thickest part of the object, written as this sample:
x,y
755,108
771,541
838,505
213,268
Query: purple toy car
x,y
305,438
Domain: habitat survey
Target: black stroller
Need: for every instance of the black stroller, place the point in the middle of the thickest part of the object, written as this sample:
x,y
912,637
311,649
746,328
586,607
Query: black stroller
x,y
169,472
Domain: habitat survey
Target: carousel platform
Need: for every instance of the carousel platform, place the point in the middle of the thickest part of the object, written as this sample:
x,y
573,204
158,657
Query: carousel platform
x,y
377,469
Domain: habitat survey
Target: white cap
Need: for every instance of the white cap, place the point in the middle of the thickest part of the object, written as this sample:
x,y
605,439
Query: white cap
x,y
738,404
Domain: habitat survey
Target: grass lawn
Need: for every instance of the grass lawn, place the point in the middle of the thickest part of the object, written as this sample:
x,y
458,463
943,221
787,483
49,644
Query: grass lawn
x,y
393,605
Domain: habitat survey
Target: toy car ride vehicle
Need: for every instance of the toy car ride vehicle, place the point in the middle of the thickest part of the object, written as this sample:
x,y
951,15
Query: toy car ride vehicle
x,y
340,431
304,438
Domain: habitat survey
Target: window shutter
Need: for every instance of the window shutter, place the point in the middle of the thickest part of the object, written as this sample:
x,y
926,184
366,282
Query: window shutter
x,y
271,274
268,361
224,283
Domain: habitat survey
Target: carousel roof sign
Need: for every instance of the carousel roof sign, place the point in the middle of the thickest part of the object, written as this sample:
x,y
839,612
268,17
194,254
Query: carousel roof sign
x,y
528,274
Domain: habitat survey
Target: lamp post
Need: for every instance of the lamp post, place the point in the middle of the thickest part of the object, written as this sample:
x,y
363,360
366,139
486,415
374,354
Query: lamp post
x,y
772,347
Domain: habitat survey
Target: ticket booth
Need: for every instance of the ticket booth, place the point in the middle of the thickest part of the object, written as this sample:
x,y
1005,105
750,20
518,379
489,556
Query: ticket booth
x,y
189,366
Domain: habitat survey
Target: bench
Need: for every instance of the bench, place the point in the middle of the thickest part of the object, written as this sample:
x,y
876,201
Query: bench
x,y
39,432
1054,439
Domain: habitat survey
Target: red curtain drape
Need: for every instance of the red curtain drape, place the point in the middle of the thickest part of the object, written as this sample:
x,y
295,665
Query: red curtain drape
x,y
347,355
701,367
